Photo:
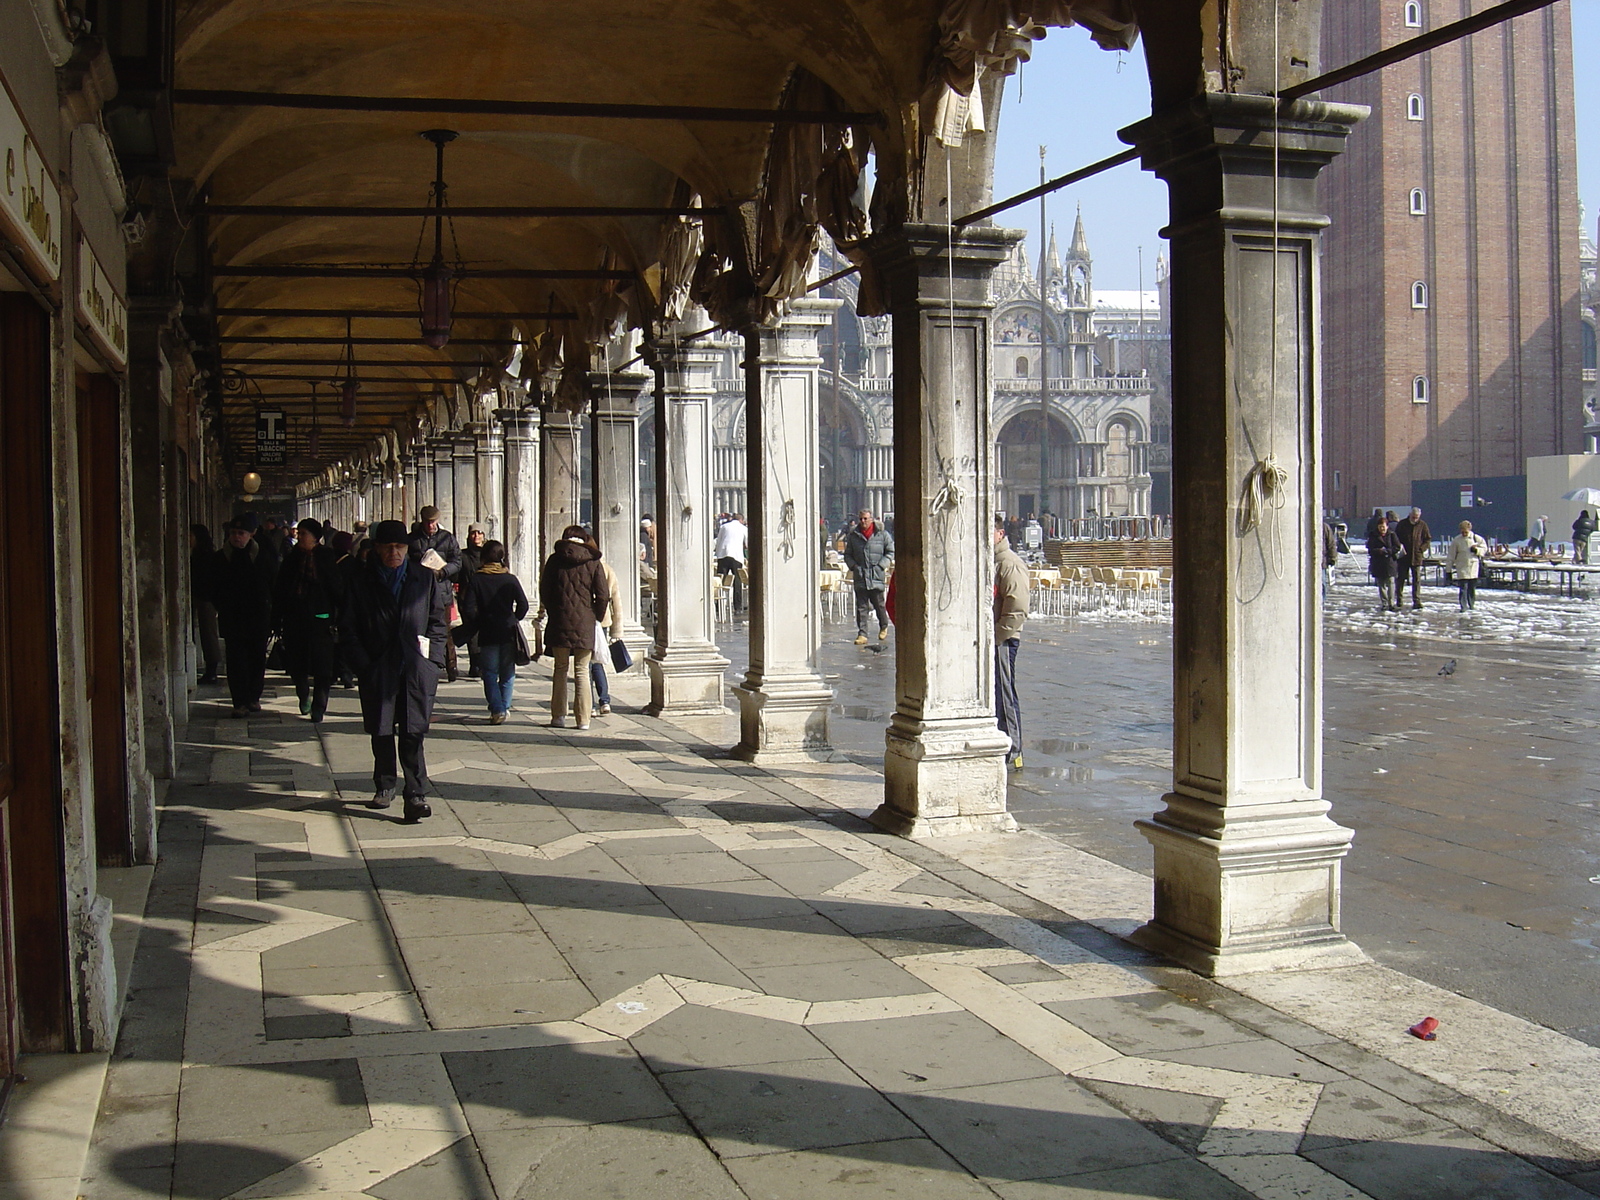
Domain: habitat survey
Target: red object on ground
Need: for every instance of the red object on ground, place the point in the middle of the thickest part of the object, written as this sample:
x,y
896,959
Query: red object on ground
x,y
1426,1029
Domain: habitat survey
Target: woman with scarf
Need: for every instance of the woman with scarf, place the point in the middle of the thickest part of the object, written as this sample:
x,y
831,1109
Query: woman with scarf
x,y
309,595
573,596
493,606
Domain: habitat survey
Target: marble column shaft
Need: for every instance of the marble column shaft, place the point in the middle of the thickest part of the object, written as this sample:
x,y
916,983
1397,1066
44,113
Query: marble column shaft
x,y
944,762
522,522
425,482
465,480
559,481
444,488
783,701
491,479
686,669
615,438
1247,859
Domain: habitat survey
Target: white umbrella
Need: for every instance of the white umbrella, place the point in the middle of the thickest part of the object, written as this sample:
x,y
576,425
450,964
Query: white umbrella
x,y
1584,495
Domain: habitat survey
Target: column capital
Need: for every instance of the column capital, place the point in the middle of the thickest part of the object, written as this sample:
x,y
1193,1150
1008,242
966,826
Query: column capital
x,y
617,393
916,263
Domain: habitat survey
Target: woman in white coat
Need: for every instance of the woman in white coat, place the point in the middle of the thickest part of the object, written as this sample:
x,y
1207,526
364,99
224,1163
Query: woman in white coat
x,y
1465,561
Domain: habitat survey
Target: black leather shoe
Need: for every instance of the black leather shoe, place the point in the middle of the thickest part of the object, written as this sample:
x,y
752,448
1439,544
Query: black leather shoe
x,y
382,799
416,808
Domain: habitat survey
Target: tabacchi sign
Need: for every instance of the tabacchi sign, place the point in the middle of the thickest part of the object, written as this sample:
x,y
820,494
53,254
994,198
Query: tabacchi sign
x,y
100,309
30,202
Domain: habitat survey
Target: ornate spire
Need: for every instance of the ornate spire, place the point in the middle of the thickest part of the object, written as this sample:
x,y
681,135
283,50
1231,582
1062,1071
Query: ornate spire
x,y
1080,243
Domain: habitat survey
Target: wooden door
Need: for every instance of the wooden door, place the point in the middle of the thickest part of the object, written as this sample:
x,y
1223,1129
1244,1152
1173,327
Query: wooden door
x,y
36,964
100,487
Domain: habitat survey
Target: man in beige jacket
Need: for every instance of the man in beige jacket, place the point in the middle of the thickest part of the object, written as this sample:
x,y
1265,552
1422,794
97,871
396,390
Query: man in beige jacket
x,y
1011,590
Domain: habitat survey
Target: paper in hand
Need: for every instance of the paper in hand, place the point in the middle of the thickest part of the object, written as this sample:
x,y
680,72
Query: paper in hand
x,y
432,561
422,644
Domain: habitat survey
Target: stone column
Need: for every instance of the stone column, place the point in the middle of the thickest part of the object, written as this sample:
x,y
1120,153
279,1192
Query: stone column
x,y
522,497
1247,860
406,502
685,666
944,765
559,481
491,479
444,488
466,480
423,496
783,702
615,438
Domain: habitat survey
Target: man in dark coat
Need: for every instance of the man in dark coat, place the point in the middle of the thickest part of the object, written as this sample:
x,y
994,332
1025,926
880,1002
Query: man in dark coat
x,y
310,593
471,560
1581,529
1417,538
427,535
1384,556
868,549
393,634
242,584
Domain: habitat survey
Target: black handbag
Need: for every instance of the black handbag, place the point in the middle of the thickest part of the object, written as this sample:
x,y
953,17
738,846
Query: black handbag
x,y
519,648
621,660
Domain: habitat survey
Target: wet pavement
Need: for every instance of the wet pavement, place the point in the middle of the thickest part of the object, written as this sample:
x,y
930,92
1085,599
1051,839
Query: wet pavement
x,y
1473,795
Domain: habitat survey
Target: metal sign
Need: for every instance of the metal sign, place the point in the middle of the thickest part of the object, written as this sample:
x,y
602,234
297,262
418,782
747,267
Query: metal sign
x,y
272,437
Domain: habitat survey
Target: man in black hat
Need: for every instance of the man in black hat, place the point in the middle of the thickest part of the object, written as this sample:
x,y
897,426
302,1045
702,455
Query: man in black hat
x,y
242,585
428,535
393,635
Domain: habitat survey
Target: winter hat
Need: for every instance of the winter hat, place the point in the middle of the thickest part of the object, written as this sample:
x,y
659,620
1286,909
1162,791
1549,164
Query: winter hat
x,y
343,543
388,531
476,528
311,523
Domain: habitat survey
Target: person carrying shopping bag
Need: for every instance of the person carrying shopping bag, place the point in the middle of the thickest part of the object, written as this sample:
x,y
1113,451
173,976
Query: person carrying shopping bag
x,y
573,595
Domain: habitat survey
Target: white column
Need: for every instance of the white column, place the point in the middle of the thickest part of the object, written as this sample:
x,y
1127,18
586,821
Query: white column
x,y
406,503
491,479
424,493
465,481
615,434
522,498
1247,859
559,482
685,666
783,701
444,488
944,762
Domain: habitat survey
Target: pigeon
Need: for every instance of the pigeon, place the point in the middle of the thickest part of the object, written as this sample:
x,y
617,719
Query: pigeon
x,y
1449,668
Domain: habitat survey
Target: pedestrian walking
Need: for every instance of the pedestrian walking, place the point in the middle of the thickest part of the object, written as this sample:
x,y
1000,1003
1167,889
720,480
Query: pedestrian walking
x,y
393,632
242,585
471,560
1581,529
1417,539
1384,553
869,549
1464,560
1011,590
310,592
202,569
427,535
1536,538
1330,555
606,631
572,597
493,605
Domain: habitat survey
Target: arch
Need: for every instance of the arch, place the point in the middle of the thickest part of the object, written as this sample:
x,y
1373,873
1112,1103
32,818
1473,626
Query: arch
x,y
1414,109
1022,367
1419,390
1419,294
1418,203
1119,449
1413,14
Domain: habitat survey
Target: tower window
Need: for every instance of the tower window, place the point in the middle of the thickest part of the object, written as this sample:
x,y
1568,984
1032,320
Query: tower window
x,y
1413,14
1419,295
1413,107
1419,390
1419,202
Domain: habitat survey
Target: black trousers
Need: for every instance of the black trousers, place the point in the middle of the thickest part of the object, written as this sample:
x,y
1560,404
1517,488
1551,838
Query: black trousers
x,y
412,763
312,657
1413,571
868,601
247,669
1007,708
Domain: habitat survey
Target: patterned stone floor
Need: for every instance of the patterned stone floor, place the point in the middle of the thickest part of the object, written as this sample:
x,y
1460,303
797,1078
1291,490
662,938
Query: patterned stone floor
x,y
614,964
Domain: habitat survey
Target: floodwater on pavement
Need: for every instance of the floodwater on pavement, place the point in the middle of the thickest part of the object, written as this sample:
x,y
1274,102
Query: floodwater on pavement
x,y
1474,793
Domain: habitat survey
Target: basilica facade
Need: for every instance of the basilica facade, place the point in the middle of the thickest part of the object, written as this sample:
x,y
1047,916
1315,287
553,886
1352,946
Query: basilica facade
x,y
1098,388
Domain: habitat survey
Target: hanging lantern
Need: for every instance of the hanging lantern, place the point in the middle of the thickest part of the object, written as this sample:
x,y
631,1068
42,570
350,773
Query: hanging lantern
x,y
437,276
252,483
349,385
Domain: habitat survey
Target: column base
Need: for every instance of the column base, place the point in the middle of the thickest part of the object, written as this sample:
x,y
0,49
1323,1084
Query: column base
x,y
686,682
1259,892
944,777
784,720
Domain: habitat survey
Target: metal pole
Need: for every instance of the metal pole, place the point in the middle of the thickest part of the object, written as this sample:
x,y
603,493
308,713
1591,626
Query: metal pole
x,y
1044,354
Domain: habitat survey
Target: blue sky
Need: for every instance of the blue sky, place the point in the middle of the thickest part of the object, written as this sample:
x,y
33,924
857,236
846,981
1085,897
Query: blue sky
x,y
1073,97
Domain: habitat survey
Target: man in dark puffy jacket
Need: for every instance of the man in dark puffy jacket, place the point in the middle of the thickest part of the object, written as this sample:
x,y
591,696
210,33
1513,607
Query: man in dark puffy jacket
x,y
869,549
242,585
392,633
428,535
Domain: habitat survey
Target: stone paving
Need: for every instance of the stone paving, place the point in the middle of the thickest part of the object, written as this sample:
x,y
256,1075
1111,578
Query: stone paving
x,y
1474,796
615,964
